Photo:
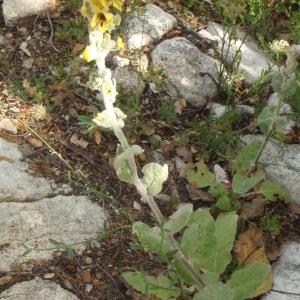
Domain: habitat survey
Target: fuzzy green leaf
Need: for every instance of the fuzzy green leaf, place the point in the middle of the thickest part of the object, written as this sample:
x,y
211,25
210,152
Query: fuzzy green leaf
x,y
159,286
121,165
272,190
154,177
215,291
266,117
151,238
246,157
242,184
202,177
215,247
245,281
179,219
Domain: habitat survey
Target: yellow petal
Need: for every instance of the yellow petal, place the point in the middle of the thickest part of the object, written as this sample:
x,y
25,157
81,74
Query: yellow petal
x,y
86,55
117,4
120,43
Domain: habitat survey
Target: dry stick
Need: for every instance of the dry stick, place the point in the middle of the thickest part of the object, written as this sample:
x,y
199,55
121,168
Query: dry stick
x,y
51,33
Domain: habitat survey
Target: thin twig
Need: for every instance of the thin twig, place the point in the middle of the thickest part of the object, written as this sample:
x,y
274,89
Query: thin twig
x,y
51,33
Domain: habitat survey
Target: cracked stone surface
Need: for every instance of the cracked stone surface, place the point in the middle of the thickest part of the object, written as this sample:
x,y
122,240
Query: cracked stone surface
x,y
281,163
67,219
254,60
147,25
16,183
37,289
286,274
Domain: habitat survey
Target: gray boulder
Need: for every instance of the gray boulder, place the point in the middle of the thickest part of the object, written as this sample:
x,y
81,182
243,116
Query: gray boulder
x,y
285,110
67,219
37,289
129,81
15,10
254,60
146,25
281,163
189,71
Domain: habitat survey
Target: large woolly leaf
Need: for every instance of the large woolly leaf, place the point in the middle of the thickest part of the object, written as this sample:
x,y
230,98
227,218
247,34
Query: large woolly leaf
x,y
272,190
154,177
159,286
215,291
202,177
215,247
242,184
121,165
151,238
246,157
245,281
267,116
179,219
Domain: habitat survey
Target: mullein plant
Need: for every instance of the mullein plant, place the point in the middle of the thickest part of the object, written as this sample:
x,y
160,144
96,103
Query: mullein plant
x,y
104,17
197,259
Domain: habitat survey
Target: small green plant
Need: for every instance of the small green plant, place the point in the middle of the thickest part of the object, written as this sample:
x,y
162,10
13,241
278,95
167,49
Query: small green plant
x,y
167,111
227,196
271,223
216,137
207,243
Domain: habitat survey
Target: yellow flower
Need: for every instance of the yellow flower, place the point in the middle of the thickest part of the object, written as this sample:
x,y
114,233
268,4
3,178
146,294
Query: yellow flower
x,y
103,21
89,53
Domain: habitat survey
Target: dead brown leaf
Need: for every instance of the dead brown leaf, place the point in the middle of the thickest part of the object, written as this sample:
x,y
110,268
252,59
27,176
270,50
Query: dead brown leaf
x,y
250,248
98,137
248,242
5,279
180,105
253,209
79,141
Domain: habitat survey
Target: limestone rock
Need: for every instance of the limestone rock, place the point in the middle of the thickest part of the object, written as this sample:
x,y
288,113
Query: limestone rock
x,y
15,10
67,219
16,184
37,289
286,109
188,70
129,81
218,110
254,60
8,126
281,163
148,24
286,274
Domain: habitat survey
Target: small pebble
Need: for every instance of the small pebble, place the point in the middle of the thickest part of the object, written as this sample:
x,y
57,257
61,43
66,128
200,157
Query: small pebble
x,y
49,275
88,287
88,260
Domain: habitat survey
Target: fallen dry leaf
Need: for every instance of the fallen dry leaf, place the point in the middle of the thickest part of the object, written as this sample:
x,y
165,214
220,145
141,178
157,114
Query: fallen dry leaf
x,y
180,105
248,242
98,137
79,141
5,279
249,248
35,143
253,209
